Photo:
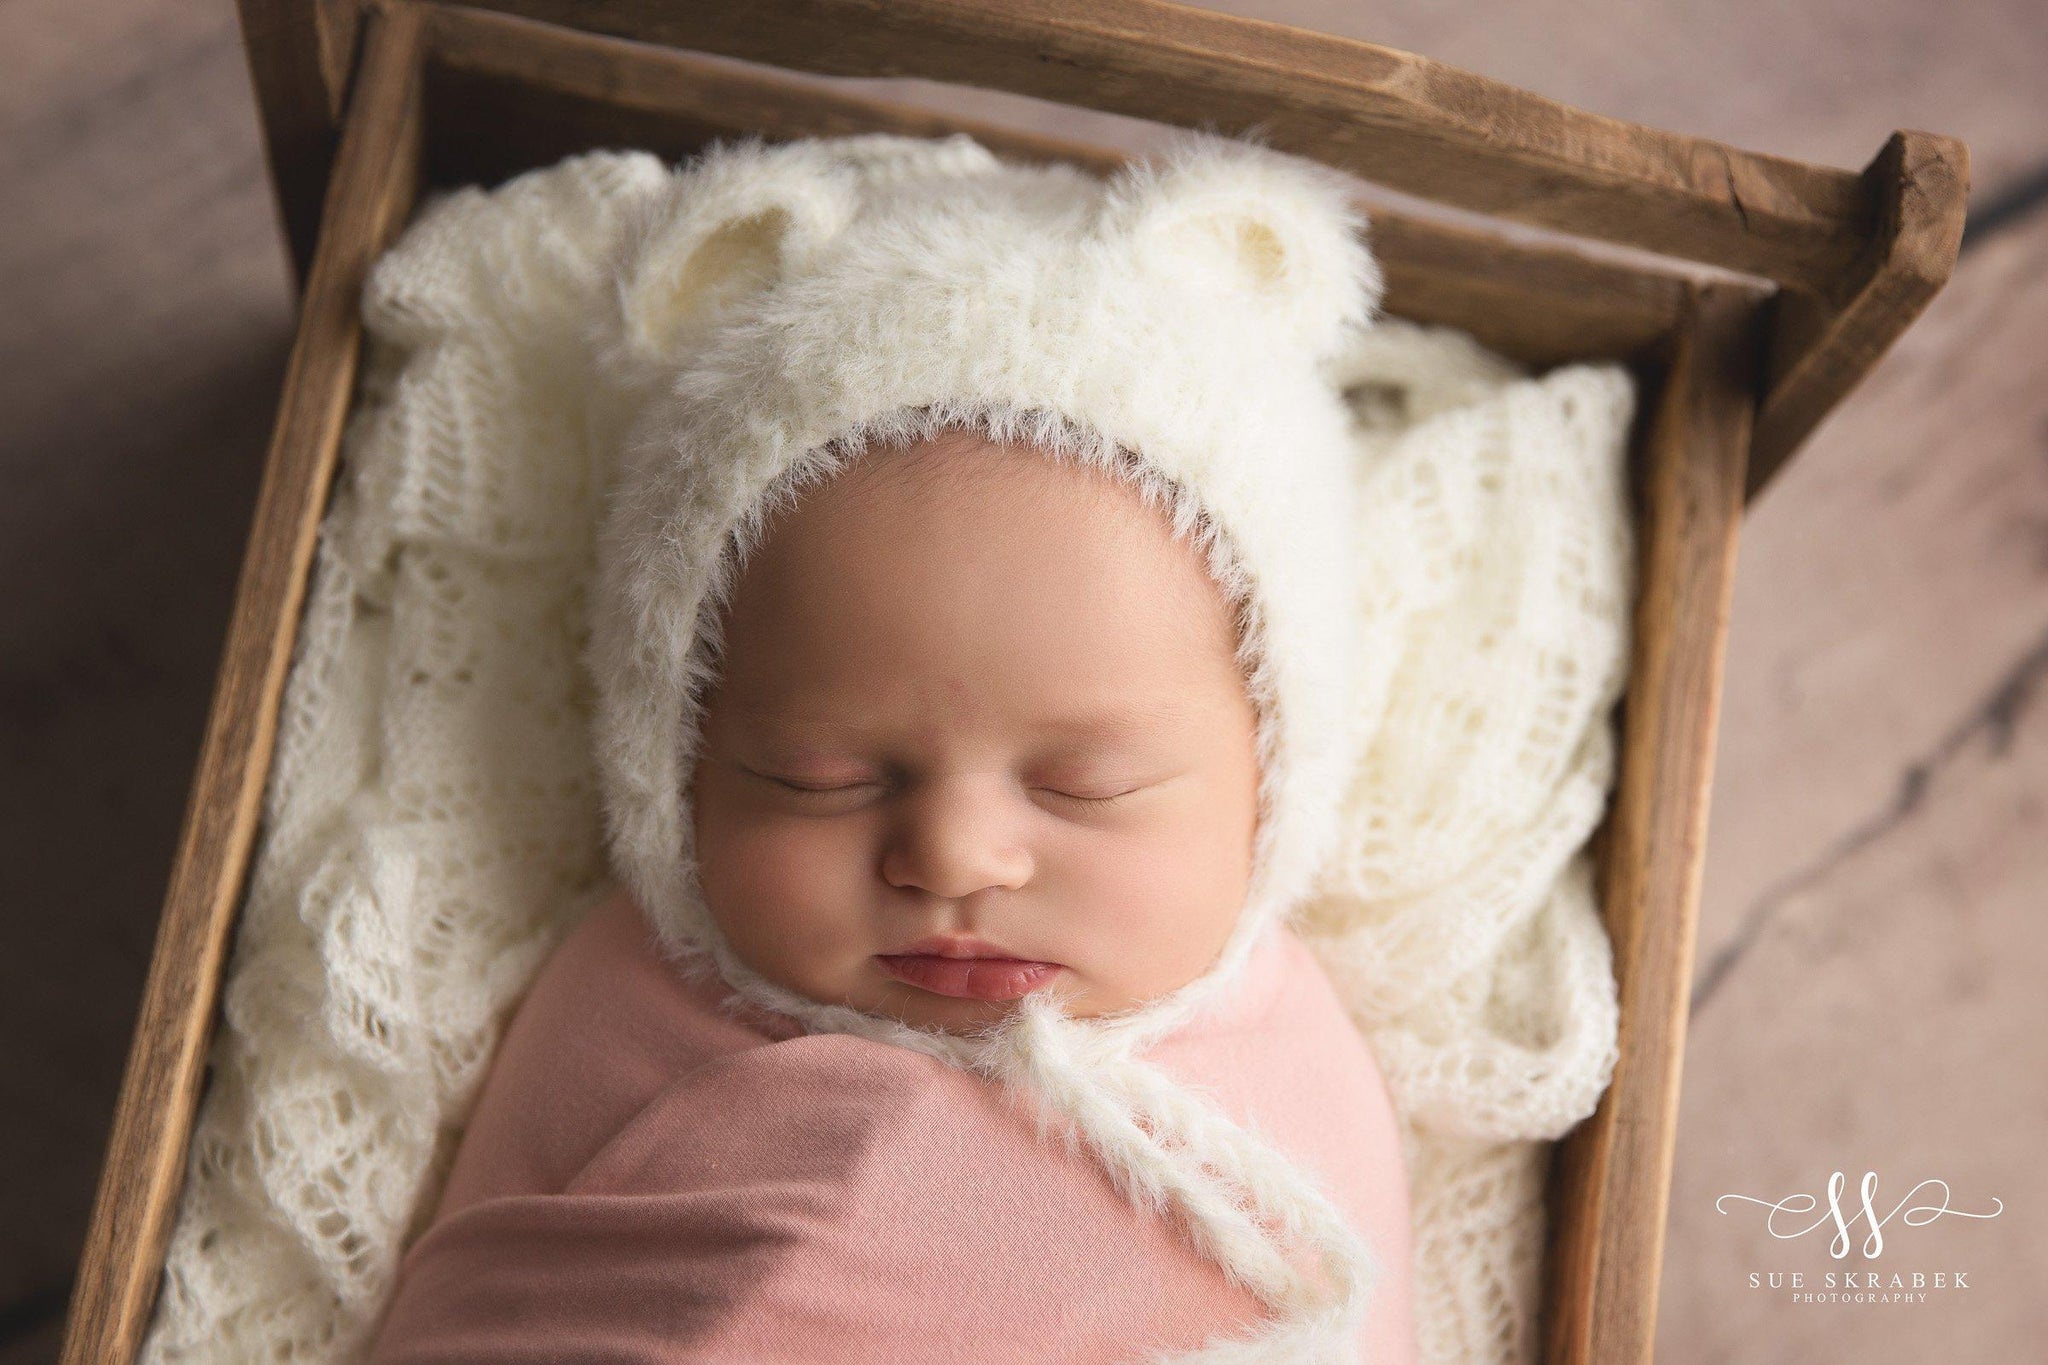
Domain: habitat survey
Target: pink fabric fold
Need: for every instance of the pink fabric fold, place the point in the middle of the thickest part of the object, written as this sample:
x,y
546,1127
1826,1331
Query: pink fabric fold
x,y
649,1177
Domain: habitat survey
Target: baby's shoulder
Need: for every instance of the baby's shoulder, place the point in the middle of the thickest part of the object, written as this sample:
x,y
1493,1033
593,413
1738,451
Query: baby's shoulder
x,y
616,1038
1291,1063
1285,1004
610,991
1285,1057
607,1025
822,1112
1317,1048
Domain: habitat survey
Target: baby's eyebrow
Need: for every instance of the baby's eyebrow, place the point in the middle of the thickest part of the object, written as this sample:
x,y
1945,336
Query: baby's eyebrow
x,y
1117,722
1104,722
768,722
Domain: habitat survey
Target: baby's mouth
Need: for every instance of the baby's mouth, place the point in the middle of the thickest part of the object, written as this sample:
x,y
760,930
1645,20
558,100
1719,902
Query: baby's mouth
x,y
967,970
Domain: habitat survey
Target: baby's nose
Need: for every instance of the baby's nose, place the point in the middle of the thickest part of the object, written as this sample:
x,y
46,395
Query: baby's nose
x,y
955,837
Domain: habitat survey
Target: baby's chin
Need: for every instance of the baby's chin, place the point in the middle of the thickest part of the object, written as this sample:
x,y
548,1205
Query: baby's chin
x,y
925,1009
922,1010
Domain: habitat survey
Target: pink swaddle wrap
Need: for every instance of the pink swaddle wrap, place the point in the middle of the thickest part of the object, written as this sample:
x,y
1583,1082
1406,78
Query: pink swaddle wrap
x,y
651,1177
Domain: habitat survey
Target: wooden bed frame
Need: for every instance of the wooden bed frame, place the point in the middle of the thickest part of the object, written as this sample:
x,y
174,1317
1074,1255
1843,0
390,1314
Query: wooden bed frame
x,y
368,103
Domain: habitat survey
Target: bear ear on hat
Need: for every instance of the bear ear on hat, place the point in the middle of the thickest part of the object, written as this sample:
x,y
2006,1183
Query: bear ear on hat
x,y
734,222
1238,217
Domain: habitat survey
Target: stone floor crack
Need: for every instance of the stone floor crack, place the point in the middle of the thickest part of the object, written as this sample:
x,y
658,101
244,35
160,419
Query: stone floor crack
x,y
1997,716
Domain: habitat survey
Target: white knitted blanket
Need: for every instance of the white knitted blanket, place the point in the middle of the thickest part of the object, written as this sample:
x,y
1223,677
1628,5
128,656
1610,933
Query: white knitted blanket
x,y
432,828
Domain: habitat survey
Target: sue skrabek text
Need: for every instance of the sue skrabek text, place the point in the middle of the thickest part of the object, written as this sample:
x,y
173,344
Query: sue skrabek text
x,y
1860,1286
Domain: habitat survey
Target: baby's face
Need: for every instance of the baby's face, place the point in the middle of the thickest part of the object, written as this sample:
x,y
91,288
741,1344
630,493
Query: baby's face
x,y
979,732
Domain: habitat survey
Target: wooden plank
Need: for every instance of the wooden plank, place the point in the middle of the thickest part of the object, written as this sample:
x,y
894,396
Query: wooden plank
x,y
1608,1190
507,94
1860,255
301,53
1401,120
144,1171
560,90
1823,346
1543,306
1819,83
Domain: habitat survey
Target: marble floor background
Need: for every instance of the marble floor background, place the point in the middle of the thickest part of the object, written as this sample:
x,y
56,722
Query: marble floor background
x,y
1869,991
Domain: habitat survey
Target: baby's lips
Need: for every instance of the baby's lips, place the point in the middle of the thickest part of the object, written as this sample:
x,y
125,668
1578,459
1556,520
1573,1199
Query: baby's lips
x,y
970,978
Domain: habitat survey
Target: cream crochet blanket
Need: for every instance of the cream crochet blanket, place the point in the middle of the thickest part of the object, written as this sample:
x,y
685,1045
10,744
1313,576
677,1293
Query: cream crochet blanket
x,y
432,828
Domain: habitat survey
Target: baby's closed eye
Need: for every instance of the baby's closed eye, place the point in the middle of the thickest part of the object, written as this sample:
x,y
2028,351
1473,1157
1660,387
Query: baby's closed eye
x,y
1085,788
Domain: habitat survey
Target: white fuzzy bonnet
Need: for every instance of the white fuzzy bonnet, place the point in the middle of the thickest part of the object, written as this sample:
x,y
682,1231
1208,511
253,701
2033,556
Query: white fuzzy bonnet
x,y
781,307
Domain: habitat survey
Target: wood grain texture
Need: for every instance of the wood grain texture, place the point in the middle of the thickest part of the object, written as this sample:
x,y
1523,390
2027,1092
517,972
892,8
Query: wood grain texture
x,y
301,54
1824,346
1824,81
506,95
1397,119
139,1186
1889,1018
1543,304
1608,1190
1393,117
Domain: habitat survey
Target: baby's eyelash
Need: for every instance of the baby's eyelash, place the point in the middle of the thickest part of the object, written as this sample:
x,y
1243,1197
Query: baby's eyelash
x,y
1090,800
818,791
790,784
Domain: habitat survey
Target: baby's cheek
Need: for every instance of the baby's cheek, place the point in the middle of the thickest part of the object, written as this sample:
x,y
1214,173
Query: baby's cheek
x,y
786,892
1159,908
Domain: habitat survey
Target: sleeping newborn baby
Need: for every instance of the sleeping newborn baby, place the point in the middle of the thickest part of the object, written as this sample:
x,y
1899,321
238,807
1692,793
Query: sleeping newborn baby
x,y
972,658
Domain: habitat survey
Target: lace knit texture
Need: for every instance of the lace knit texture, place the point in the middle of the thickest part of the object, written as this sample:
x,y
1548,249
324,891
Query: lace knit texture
x,y
431,826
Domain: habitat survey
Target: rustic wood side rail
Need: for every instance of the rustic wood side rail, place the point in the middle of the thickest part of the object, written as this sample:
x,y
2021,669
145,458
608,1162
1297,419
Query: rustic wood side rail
x,y
1858,255
1603,1272
1392,117
145,1167
1824,343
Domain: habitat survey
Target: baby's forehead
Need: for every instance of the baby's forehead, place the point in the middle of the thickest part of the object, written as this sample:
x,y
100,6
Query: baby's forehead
x,y
959,472
963,502
1008,565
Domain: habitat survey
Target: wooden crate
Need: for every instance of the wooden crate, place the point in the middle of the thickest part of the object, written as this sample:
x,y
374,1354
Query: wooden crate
x,y
367,103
